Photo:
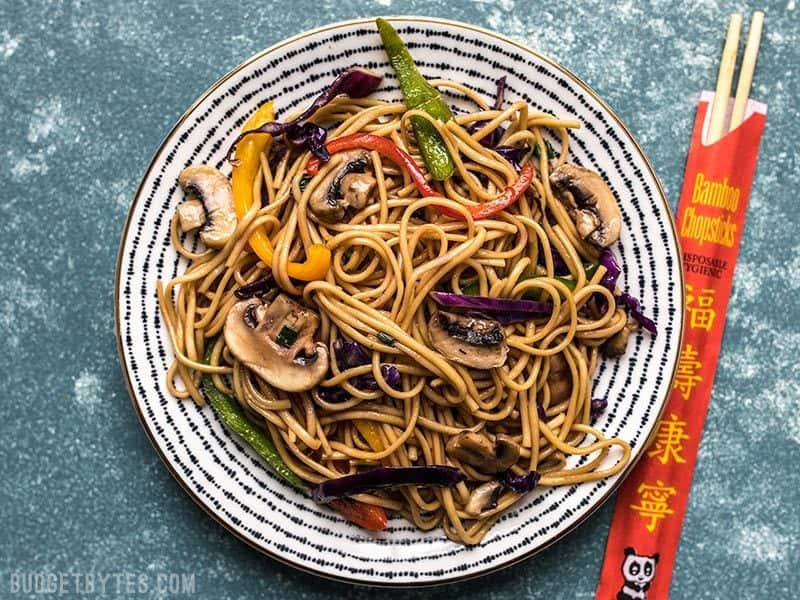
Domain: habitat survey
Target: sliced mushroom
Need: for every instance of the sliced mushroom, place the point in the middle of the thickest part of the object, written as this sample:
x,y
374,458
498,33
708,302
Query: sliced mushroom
x,y
485,455
590,203
473,341
212,188
345,189
276,341
483,498
617,344
191,214
559,379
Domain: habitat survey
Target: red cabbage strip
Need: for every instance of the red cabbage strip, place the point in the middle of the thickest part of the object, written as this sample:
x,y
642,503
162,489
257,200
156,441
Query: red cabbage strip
x,y
520,484
385,477
491,140
492,305
249,290
351,354
512,155
355,83
597,408
609,281
635,309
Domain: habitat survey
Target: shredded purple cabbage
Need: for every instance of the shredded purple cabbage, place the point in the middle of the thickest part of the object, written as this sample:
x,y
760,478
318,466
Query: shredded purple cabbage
x,y
355,82
350,354
635,309
512,155
613,271
540,412
309,136
385,477
368,382
491,140
521,484
254,287
609,281
597,408
559,266
332,394
497,307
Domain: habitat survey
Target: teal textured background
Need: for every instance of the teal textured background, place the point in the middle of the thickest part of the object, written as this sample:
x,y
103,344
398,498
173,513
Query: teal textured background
x,y
87,92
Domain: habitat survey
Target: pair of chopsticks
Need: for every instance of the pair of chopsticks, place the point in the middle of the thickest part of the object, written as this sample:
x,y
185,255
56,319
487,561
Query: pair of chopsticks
x,y
719,109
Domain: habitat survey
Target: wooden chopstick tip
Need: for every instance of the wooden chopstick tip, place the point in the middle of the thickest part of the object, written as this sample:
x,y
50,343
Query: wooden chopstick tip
x,y
727,66
747,69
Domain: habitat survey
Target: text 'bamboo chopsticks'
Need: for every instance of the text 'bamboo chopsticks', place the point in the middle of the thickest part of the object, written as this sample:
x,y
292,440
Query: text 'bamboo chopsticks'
x,y
717,128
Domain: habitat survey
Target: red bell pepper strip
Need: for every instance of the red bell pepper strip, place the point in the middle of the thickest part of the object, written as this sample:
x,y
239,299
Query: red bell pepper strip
x,y
382,146
366,515
510,195
388,149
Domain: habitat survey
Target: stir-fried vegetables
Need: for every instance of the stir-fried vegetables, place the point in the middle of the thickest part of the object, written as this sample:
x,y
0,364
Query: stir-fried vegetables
x,y
369,431
510,195
419,95
245,170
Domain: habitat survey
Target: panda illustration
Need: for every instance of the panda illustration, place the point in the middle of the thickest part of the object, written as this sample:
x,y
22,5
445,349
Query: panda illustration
x,y
638,571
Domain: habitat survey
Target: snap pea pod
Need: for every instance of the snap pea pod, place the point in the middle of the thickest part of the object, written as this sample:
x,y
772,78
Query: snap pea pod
x,y
419,95
234,419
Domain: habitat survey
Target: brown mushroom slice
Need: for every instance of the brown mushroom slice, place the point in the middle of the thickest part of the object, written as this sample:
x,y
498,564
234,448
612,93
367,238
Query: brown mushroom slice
x,y
590,203
345,189
485,455
559,379
191,214
616,345
212,188
483,498
472,341
276,341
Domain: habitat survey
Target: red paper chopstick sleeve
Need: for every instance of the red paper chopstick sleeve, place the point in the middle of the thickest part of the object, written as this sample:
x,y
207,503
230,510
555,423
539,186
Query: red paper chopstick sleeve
x,y
648,516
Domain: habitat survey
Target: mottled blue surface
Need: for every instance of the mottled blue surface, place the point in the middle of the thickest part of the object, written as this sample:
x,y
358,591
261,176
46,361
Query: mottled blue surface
x,y
87,92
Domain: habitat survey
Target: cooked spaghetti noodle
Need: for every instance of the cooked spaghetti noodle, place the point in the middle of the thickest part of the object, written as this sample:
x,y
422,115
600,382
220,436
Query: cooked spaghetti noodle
x,y
386,259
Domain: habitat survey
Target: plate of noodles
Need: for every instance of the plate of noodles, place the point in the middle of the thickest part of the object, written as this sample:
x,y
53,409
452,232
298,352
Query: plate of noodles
x,y
399,302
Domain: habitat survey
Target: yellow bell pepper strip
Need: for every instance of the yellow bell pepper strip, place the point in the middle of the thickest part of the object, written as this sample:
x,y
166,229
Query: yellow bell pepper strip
x,y
369,431
246,163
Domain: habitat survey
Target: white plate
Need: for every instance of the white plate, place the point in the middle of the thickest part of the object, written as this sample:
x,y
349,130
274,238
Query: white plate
x,y
227,479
